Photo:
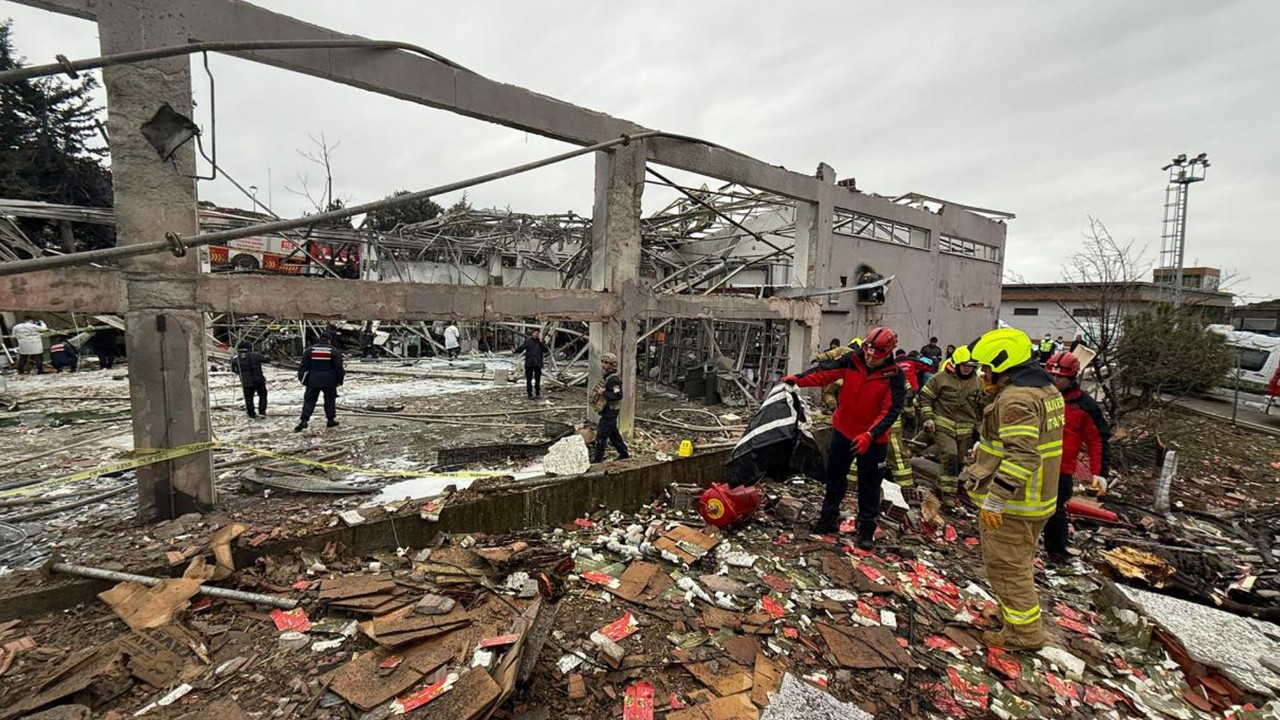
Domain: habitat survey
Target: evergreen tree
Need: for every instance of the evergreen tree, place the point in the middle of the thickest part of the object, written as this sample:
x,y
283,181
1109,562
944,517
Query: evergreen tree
x,y
388,218
50,149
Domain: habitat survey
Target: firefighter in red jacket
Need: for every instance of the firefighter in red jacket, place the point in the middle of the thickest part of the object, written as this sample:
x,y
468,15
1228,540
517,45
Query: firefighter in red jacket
x,y
1085,427
870,401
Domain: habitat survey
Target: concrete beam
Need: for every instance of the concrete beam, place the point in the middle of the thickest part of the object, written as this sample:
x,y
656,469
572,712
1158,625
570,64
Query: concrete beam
x,y
283,296
418,79
82,290
95,290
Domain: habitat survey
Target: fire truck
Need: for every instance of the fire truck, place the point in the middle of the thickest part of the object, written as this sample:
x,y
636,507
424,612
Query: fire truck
x,y
302,252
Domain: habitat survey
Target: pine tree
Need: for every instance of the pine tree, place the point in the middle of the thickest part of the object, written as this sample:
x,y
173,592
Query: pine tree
x,y
50,149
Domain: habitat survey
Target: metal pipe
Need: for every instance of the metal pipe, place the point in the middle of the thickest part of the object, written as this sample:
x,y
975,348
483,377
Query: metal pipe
x,y
217,592
179,244
72,67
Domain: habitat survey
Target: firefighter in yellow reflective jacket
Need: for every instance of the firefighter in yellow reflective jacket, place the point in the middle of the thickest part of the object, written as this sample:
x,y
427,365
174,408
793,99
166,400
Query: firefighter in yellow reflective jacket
x,y
1013,482
951,403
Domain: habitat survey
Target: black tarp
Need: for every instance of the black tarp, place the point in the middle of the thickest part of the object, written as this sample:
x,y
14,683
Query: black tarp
x,y
777,443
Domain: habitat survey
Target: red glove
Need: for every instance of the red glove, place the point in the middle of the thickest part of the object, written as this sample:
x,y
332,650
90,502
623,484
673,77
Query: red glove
x,y
790,379
862,443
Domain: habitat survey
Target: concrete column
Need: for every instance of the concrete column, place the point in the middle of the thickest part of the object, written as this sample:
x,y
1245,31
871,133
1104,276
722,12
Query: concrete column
x,y
803,340
615,264
164,332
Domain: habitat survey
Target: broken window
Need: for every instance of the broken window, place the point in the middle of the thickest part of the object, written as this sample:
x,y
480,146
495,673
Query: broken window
x,y
968,248
847,222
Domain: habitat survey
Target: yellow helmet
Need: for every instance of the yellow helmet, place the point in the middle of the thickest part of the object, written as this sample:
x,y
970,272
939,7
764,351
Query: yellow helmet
x,y
856,342
961,355
1001,349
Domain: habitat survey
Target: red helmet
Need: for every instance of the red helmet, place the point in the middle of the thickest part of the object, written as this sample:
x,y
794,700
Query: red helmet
x,y
1063,364
880,342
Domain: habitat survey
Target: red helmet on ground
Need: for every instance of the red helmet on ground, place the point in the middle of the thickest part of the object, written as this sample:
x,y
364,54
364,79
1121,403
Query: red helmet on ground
x,y
1063,364
880,342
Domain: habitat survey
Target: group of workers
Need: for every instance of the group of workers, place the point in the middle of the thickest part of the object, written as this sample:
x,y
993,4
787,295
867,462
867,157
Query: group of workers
x,y
1026,418
63,352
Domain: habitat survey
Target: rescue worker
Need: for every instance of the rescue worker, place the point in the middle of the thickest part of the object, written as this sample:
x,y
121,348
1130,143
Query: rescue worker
x,y
30,336
951,406
933,350
451,344
1012,482
248,365
606,399
831,393
897,461
1085,427
104,345
533,349
63,355
321,371
869,404
1046,348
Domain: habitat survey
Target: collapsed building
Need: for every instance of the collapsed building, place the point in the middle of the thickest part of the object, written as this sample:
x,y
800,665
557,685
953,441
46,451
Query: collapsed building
x,y
331,591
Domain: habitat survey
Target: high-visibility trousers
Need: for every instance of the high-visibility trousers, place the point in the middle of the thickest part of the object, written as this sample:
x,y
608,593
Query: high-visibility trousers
x,y
1009,553
949,462
897,460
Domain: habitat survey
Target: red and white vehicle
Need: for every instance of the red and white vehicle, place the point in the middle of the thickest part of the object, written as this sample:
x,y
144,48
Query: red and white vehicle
x,y
339,250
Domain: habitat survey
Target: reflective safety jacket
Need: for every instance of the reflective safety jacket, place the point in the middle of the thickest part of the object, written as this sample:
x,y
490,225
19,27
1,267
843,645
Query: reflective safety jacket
x,y
952,402
1021,448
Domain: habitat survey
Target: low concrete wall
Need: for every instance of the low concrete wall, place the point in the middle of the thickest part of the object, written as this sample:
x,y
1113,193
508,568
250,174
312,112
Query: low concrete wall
x,y
547,505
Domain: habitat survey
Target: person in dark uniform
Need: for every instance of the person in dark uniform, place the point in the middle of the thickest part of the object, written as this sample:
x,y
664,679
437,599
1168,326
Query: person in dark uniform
x,y
104,345
533,349
63,355
321,372
606,399
248,365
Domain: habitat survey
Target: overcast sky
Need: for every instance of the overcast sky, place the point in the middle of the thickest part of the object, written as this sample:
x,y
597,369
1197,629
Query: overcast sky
x,y
1053,111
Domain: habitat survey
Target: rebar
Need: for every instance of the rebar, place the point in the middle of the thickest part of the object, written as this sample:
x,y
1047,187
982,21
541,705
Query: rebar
x,y
217,592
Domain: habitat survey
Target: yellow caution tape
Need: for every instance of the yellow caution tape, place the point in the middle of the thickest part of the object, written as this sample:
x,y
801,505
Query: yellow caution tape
x,y
150,456
143,458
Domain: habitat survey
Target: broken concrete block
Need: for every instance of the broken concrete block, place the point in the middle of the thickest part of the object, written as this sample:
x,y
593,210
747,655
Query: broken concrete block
x,y
567,456
798,699
612,651
434,605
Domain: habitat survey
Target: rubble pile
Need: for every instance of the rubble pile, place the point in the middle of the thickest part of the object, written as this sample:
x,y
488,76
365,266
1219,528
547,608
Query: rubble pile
x,y
637,615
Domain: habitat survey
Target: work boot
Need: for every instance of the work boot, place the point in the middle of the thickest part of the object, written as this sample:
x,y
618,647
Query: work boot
x,y
624,456
300,427
826,525
253,417
999,639
1057,560
331,423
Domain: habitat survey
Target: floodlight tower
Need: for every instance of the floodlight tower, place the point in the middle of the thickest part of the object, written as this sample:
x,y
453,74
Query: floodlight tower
x,y
1173,241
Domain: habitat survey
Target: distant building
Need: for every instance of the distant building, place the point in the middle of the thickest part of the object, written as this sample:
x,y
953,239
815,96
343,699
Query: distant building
x,y
1194,278
1260,317
1066,309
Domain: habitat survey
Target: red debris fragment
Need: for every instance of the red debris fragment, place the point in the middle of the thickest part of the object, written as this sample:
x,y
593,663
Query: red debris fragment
x,y
970,693
776,583
1066,611
848,525
972,541
295,620
1094,695
1004,663
782,539
302,585
772,607
791,632
623,627
675,703
638,702
872,574
499,641
391,662
938,642
599,578
1076,626
584,523
417,699
1064,688
949,534
202,604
